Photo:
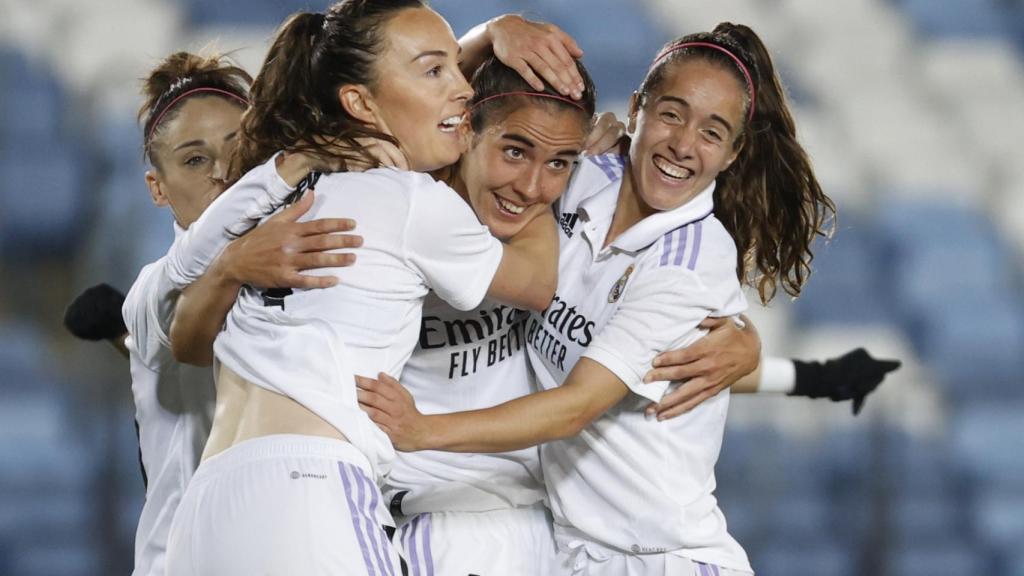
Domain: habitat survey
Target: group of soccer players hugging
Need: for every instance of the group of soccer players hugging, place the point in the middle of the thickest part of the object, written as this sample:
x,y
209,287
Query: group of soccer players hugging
x,y
414,324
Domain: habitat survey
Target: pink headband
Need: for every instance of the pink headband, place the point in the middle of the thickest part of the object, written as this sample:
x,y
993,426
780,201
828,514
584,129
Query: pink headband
x,y
537,94
739,63
186,94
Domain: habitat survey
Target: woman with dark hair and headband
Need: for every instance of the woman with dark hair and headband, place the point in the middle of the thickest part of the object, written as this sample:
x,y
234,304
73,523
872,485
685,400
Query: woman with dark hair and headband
x,y
191,115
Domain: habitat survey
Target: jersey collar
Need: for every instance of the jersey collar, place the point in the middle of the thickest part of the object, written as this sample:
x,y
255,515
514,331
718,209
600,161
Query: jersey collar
x,y
601,208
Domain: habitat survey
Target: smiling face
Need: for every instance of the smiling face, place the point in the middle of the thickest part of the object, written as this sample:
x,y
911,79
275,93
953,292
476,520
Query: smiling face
x,y
192,153
516,168
685,132
420,95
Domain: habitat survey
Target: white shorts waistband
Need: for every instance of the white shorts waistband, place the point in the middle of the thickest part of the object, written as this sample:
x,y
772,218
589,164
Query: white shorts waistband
x,y
278,446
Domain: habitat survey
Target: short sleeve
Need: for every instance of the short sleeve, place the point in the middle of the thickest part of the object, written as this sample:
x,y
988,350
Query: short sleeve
x,y
660,310
445,242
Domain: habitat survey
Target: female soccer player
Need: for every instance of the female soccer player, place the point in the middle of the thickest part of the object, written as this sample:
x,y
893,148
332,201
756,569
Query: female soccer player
x,y
643,262
191,115
288,436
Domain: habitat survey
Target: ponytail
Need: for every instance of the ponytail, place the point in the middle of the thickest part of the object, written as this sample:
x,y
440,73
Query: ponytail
x,y
295,103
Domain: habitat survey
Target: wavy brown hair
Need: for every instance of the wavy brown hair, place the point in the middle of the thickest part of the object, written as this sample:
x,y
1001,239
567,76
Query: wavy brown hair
x,y
295,103
769,199
177,74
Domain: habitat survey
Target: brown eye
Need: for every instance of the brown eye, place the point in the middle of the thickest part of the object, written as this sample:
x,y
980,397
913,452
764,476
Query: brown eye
x,y
194,161
514,153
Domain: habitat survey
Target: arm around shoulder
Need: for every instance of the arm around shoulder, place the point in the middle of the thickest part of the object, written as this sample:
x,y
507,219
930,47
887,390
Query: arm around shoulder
x,y
528,274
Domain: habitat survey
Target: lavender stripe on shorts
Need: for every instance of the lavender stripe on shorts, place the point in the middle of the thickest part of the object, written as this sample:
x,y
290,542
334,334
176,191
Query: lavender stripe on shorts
x,y
428,556
370,519
409,540
353,510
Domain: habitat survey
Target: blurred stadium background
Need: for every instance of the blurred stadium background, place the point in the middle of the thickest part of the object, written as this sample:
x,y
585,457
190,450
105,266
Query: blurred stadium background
x,y
911,110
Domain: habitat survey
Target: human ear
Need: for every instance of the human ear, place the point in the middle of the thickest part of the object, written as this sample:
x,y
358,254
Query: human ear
x,y
634,108
357,101
156,192
737,148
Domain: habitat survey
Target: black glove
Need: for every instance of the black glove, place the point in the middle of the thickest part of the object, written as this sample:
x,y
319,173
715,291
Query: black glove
x,y
853,375
96,314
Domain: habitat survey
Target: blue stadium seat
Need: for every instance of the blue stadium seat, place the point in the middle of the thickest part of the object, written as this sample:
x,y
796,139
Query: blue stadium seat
x,y
846,456
121,142
955,18
128,212
846,286
64,559
938,253
22,349
974,346
31,97
983,436
799,516
997,516
917,467
805,557
920,520
41,200
1014,562
952,556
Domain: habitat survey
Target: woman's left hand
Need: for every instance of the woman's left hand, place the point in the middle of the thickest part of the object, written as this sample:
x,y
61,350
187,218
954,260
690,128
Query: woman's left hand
x,y
391,406
605,135
706,367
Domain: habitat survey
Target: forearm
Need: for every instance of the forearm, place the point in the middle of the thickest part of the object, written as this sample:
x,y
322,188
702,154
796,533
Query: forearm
x,y
528,275
235,212
202,309
555,414
514,425
749,384
476,47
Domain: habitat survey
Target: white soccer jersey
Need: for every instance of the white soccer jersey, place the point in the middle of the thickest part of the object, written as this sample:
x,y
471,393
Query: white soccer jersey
x,y
628,483
173,401
466,361
419,235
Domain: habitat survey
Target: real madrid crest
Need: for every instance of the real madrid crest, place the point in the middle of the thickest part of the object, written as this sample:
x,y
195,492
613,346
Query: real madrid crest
x,y
619,286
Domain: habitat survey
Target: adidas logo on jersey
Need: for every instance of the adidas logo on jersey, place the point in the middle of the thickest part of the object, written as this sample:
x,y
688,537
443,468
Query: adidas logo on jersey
x,y
568,222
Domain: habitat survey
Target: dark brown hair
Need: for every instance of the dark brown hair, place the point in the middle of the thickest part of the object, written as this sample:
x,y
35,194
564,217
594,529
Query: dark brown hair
x,y
493,78
295,102
769,198
177,74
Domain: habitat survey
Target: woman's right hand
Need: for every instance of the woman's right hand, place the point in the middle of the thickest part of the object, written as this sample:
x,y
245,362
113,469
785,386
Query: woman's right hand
x,y
274,254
